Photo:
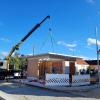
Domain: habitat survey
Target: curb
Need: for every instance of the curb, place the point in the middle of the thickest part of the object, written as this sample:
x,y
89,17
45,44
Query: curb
x,y
57,90
79,91
2,98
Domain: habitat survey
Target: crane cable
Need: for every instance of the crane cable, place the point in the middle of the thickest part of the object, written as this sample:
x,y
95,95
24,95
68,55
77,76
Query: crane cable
x,y
51,40
44,43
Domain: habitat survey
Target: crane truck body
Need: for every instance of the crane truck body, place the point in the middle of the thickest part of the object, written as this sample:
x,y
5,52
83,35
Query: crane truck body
x,y
4,65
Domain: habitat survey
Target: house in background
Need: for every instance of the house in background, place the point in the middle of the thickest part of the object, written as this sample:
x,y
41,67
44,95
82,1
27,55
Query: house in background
x,y
81,65
39,65
93,64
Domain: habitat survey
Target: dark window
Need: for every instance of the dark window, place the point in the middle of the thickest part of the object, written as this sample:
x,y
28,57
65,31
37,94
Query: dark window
x,y
55,70
1,63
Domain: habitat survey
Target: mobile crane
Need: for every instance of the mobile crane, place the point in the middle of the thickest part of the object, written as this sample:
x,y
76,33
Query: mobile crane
x,y
16,47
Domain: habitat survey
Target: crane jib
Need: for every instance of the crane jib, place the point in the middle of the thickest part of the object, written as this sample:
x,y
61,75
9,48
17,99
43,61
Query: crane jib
x,y
34,28
30,32
16,47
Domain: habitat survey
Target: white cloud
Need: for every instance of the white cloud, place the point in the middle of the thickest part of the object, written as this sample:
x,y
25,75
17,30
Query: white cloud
x,y
92,41
84,57
30,54
73,45
5,39
71,49
90,1
4,53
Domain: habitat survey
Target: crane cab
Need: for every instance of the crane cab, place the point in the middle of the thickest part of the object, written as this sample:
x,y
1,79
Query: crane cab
x,y
3,64
3,69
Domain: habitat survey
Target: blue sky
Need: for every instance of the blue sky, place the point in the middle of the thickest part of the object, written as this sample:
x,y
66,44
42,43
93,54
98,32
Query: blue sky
x,y
72,26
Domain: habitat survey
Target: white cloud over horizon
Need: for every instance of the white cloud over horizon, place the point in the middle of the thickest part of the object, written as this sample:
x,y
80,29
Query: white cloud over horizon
x,y
86,57
92,41
72,45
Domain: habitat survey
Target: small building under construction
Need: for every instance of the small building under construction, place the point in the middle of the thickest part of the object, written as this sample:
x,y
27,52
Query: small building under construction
x,y
39,65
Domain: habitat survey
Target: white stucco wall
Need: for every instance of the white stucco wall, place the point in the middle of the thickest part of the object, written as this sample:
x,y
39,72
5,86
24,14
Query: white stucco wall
x,y
66,67
82,66
78,67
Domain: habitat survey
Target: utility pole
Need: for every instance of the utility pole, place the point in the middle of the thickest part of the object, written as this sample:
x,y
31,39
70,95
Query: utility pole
x,y
33,50
97,50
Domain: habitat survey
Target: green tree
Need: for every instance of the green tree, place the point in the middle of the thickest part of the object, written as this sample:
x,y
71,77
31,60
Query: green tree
x,y
90,67
18,63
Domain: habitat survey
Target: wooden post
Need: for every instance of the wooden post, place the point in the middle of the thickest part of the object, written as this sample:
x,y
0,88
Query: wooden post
x,y
71,71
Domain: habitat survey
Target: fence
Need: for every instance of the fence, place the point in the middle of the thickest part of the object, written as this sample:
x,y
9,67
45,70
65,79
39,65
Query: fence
x,y
80,80
63,80
57,79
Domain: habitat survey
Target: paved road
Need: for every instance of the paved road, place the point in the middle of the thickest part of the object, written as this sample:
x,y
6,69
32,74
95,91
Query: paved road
x,y
15,91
